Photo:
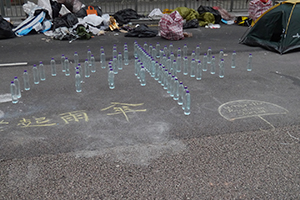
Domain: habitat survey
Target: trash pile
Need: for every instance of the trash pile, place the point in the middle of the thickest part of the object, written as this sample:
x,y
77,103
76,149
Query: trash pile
x,y
71,20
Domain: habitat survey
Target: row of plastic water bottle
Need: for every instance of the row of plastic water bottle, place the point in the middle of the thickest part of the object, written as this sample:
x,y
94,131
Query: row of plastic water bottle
x,y
164,75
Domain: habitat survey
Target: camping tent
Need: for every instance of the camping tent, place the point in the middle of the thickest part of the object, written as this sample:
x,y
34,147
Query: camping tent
x,y
277,29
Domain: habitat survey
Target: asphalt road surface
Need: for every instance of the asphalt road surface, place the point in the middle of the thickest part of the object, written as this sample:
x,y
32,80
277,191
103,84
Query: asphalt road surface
x,y
241,140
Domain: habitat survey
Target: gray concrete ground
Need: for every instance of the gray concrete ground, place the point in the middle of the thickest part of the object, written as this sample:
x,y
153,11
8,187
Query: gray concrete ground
x,y
241,140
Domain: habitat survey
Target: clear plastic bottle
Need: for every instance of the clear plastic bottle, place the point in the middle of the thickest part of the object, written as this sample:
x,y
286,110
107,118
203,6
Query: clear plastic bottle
x,y
13,91
26,80
143,76
233,57
166,82
180,93
185,88
199,71
157,47
115,53
172,84
187,103
179,63
115,64
93,64
185,66
76,59
175,67
136,65
171,48
161,54
53,67
135,49
42,71
80,72
179,51
169,82
62,62
204,63
120,61
213,65
192,68
197,53
176,89
78,82
185,50
152,69
156,76
103,60
154,52
172,56
36,76
145,46
150,49
67,65
209,52
193,55
221,72
87,70
166,51
89,54
221,55
111,79
18,89
126,62
249,64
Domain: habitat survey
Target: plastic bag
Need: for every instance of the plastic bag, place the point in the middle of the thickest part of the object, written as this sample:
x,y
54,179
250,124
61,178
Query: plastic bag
x,y
72,5
68,20
171,26
141,31
45,4
6,29
29,7
155,13
194,23
84,11
55,8
204,9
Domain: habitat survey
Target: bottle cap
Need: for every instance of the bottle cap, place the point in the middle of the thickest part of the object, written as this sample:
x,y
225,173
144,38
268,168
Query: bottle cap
x,y
111,69
41,62
25,70
16,77
199,61
52,58
187,91
11,82
77,72
180,82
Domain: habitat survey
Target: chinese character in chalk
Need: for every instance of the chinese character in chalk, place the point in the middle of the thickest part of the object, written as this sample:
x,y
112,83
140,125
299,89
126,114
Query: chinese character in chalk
x,y
123,108
74,116
2,122
37,122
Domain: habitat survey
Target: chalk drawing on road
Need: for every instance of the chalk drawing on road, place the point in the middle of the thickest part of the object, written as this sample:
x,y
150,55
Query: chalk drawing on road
x,y
241,109
123,108
74,116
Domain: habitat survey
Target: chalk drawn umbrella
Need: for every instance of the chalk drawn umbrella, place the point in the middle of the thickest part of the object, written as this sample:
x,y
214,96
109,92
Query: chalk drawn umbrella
x,y
241,109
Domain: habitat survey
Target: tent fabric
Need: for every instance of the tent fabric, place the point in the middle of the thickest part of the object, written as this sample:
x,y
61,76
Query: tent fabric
x,y
277,29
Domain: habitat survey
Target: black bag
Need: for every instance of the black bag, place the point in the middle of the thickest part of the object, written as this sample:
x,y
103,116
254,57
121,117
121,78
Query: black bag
x,y
55,8
6,29
194,23
68,20
141,31
124,16
204,9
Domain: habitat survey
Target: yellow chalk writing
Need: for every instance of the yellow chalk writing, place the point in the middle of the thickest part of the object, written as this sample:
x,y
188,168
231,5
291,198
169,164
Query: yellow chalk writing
x,y
37,122
74,116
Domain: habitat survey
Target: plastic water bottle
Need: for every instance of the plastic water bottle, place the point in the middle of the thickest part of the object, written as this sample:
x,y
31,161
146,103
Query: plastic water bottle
x,y
115,64
143,76
26,80
156,76
67,66
166,74
172,56
62,62
233,56
179,51
209,52
221,55
93,64
42,71
249,64
168,64
185,66
185,50
103,60
18,89
192,68
89,54
13,91
171,48
166,52
161,54
185,88
175,67
120,61
36,77
180,93
136,64
80,72
213,65
172,82
78,82
187,103
204,63
145,46
197,52
135,49
193,55
126,62
179,63
152,69
111,79
53,67
76,59
87,70
154,52
157,47
150,49
176,89
221,72
169,82
199,71
115,53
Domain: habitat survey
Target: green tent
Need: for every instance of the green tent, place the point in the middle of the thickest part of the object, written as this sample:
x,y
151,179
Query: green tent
x,y
278,29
